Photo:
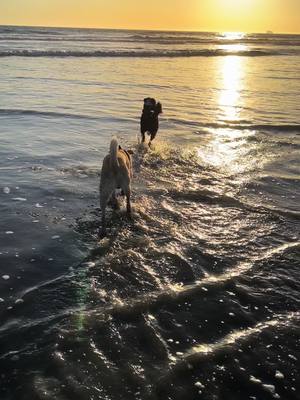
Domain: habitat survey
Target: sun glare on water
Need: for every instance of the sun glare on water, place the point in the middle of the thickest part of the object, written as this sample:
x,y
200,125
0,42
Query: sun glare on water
x,y
228,148
232,42
233,35
231,70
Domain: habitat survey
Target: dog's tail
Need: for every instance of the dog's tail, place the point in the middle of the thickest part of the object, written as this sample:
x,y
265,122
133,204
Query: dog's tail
x,y
158,108
113,152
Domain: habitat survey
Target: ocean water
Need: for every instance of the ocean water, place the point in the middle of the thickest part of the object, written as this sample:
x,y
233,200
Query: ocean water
x,y
198,297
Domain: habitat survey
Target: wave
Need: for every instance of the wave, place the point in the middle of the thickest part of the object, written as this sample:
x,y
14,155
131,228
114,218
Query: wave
x,y
174,293
160,38
56,38
287,214
138,54
233,340
216,39
172,41
10,111
19,33
31,30
251,127
236,125
212,125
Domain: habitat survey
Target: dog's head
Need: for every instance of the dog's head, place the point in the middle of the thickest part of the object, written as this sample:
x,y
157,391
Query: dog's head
x,y
150,106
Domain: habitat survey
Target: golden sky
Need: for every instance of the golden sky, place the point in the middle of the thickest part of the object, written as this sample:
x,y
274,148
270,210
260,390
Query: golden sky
x,y
207,15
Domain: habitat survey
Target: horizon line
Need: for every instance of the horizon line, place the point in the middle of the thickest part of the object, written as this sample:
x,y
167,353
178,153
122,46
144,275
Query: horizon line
x,y
153,30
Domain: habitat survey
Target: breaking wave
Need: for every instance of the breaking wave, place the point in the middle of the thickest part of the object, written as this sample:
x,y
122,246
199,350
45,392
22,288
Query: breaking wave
x,y
139,54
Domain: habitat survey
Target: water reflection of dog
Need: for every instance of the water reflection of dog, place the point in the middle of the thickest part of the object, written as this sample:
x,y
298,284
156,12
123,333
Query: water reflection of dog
x,y
149,118
116,173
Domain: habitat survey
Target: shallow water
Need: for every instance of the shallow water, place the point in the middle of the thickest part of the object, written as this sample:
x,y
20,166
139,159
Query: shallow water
x,y
198,296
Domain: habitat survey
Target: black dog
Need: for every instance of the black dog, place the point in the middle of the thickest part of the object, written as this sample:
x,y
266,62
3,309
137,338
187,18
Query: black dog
x,y
149,118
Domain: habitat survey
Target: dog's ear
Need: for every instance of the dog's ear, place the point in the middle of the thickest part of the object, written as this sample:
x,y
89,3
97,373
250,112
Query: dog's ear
x,y
147,102
158,108
144,105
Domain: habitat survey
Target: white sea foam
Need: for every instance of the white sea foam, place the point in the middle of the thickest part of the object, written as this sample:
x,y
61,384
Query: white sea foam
x,y
19,199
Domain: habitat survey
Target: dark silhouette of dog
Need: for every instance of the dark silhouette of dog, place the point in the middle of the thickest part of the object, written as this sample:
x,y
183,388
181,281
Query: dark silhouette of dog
x,y
149,118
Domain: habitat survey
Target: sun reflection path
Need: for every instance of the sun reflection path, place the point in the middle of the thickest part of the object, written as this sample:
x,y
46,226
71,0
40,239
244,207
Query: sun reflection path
x,y
229,148
232,70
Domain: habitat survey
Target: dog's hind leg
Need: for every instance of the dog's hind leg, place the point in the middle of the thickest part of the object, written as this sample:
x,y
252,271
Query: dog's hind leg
x,y
103,221
152,137
127,192
105,194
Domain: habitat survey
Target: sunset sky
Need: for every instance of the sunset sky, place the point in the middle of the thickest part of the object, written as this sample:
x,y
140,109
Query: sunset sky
x,y
208,15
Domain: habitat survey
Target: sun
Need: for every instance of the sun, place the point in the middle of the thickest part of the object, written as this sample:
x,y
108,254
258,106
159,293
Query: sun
x,y
236,9
237,5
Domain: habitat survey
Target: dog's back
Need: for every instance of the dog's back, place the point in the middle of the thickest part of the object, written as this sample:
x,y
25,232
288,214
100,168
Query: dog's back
x,y
116,165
